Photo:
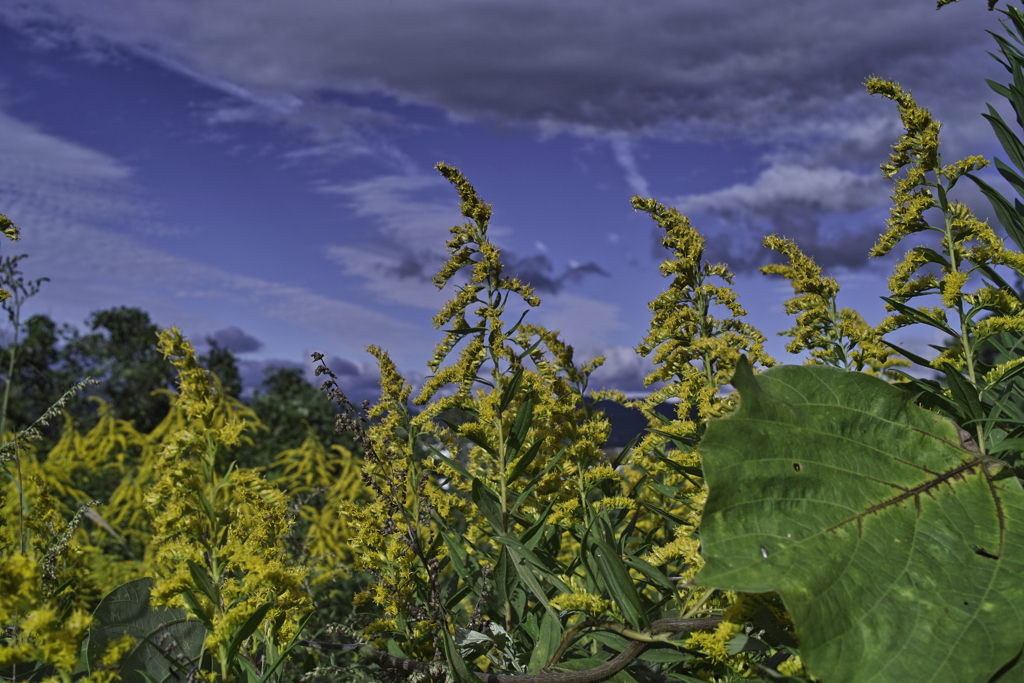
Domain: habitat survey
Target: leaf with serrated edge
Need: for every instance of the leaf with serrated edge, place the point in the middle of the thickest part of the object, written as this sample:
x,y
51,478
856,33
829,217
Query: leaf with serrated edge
x,y
897,552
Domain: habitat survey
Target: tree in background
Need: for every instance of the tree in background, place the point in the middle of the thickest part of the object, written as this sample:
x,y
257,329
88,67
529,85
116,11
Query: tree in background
x,y
122,352
286,403
40,376
221,361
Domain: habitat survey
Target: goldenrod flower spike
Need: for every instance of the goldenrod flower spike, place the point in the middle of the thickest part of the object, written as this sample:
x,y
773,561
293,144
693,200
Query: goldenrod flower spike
x,y
835,337
967,245
684,331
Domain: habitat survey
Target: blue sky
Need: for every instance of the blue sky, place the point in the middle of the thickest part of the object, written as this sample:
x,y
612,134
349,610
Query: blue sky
x,y
261,171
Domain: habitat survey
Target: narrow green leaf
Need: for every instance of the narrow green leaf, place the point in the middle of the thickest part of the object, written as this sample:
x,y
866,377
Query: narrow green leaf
x,y
482,443
933,256
1008,217
669,492
625,451
395,650
964,393
535,532
674,438
202,581
547,642
928,393
464,331
527,459
529,579
455,598
520,427
619,583
1010,143
510,390
451,462
998,87
1016,444
744,643
943,202
512,330
282,656
251,675
908,354
207,507
1011,176
1008,376
533,482
455,661
197,611
920,317
506,578
664,513
246,628
542,567
528,351
458,555
650,571
487,502
996,278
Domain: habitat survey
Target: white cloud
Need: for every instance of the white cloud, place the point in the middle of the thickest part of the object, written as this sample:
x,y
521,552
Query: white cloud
x,y
784,184
582,322
624,369
622,148
412,214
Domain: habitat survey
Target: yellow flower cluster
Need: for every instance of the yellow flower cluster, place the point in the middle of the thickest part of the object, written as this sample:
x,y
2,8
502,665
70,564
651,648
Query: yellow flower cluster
x,y
43,635
836,337
229,525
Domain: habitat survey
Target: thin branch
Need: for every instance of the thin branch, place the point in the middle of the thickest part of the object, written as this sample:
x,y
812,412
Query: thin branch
x,y
600,673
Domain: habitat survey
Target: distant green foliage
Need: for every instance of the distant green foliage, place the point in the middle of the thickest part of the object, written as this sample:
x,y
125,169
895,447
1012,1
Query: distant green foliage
x,y
289,406
221,362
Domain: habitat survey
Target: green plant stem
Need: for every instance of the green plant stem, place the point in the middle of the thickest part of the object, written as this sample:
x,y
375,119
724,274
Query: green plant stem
x,y
965,326
599,673
693,610
3,420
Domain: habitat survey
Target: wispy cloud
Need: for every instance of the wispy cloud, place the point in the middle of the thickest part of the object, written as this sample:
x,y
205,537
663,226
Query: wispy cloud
x,y
794,200
64,196
412,215
623,151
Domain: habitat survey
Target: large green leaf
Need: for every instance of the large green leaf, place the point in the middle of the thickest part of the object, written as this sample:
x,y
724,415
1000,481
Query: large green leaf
x,y
160,633
898,552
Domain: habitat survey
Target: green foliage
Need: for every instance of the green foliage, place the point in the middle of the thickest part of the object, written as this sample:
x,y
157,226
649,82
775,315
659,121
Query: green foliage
x,y
164,642
122,351
494,535
288,406
840,338
221,362
864,526
217,534
879,523
533,539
